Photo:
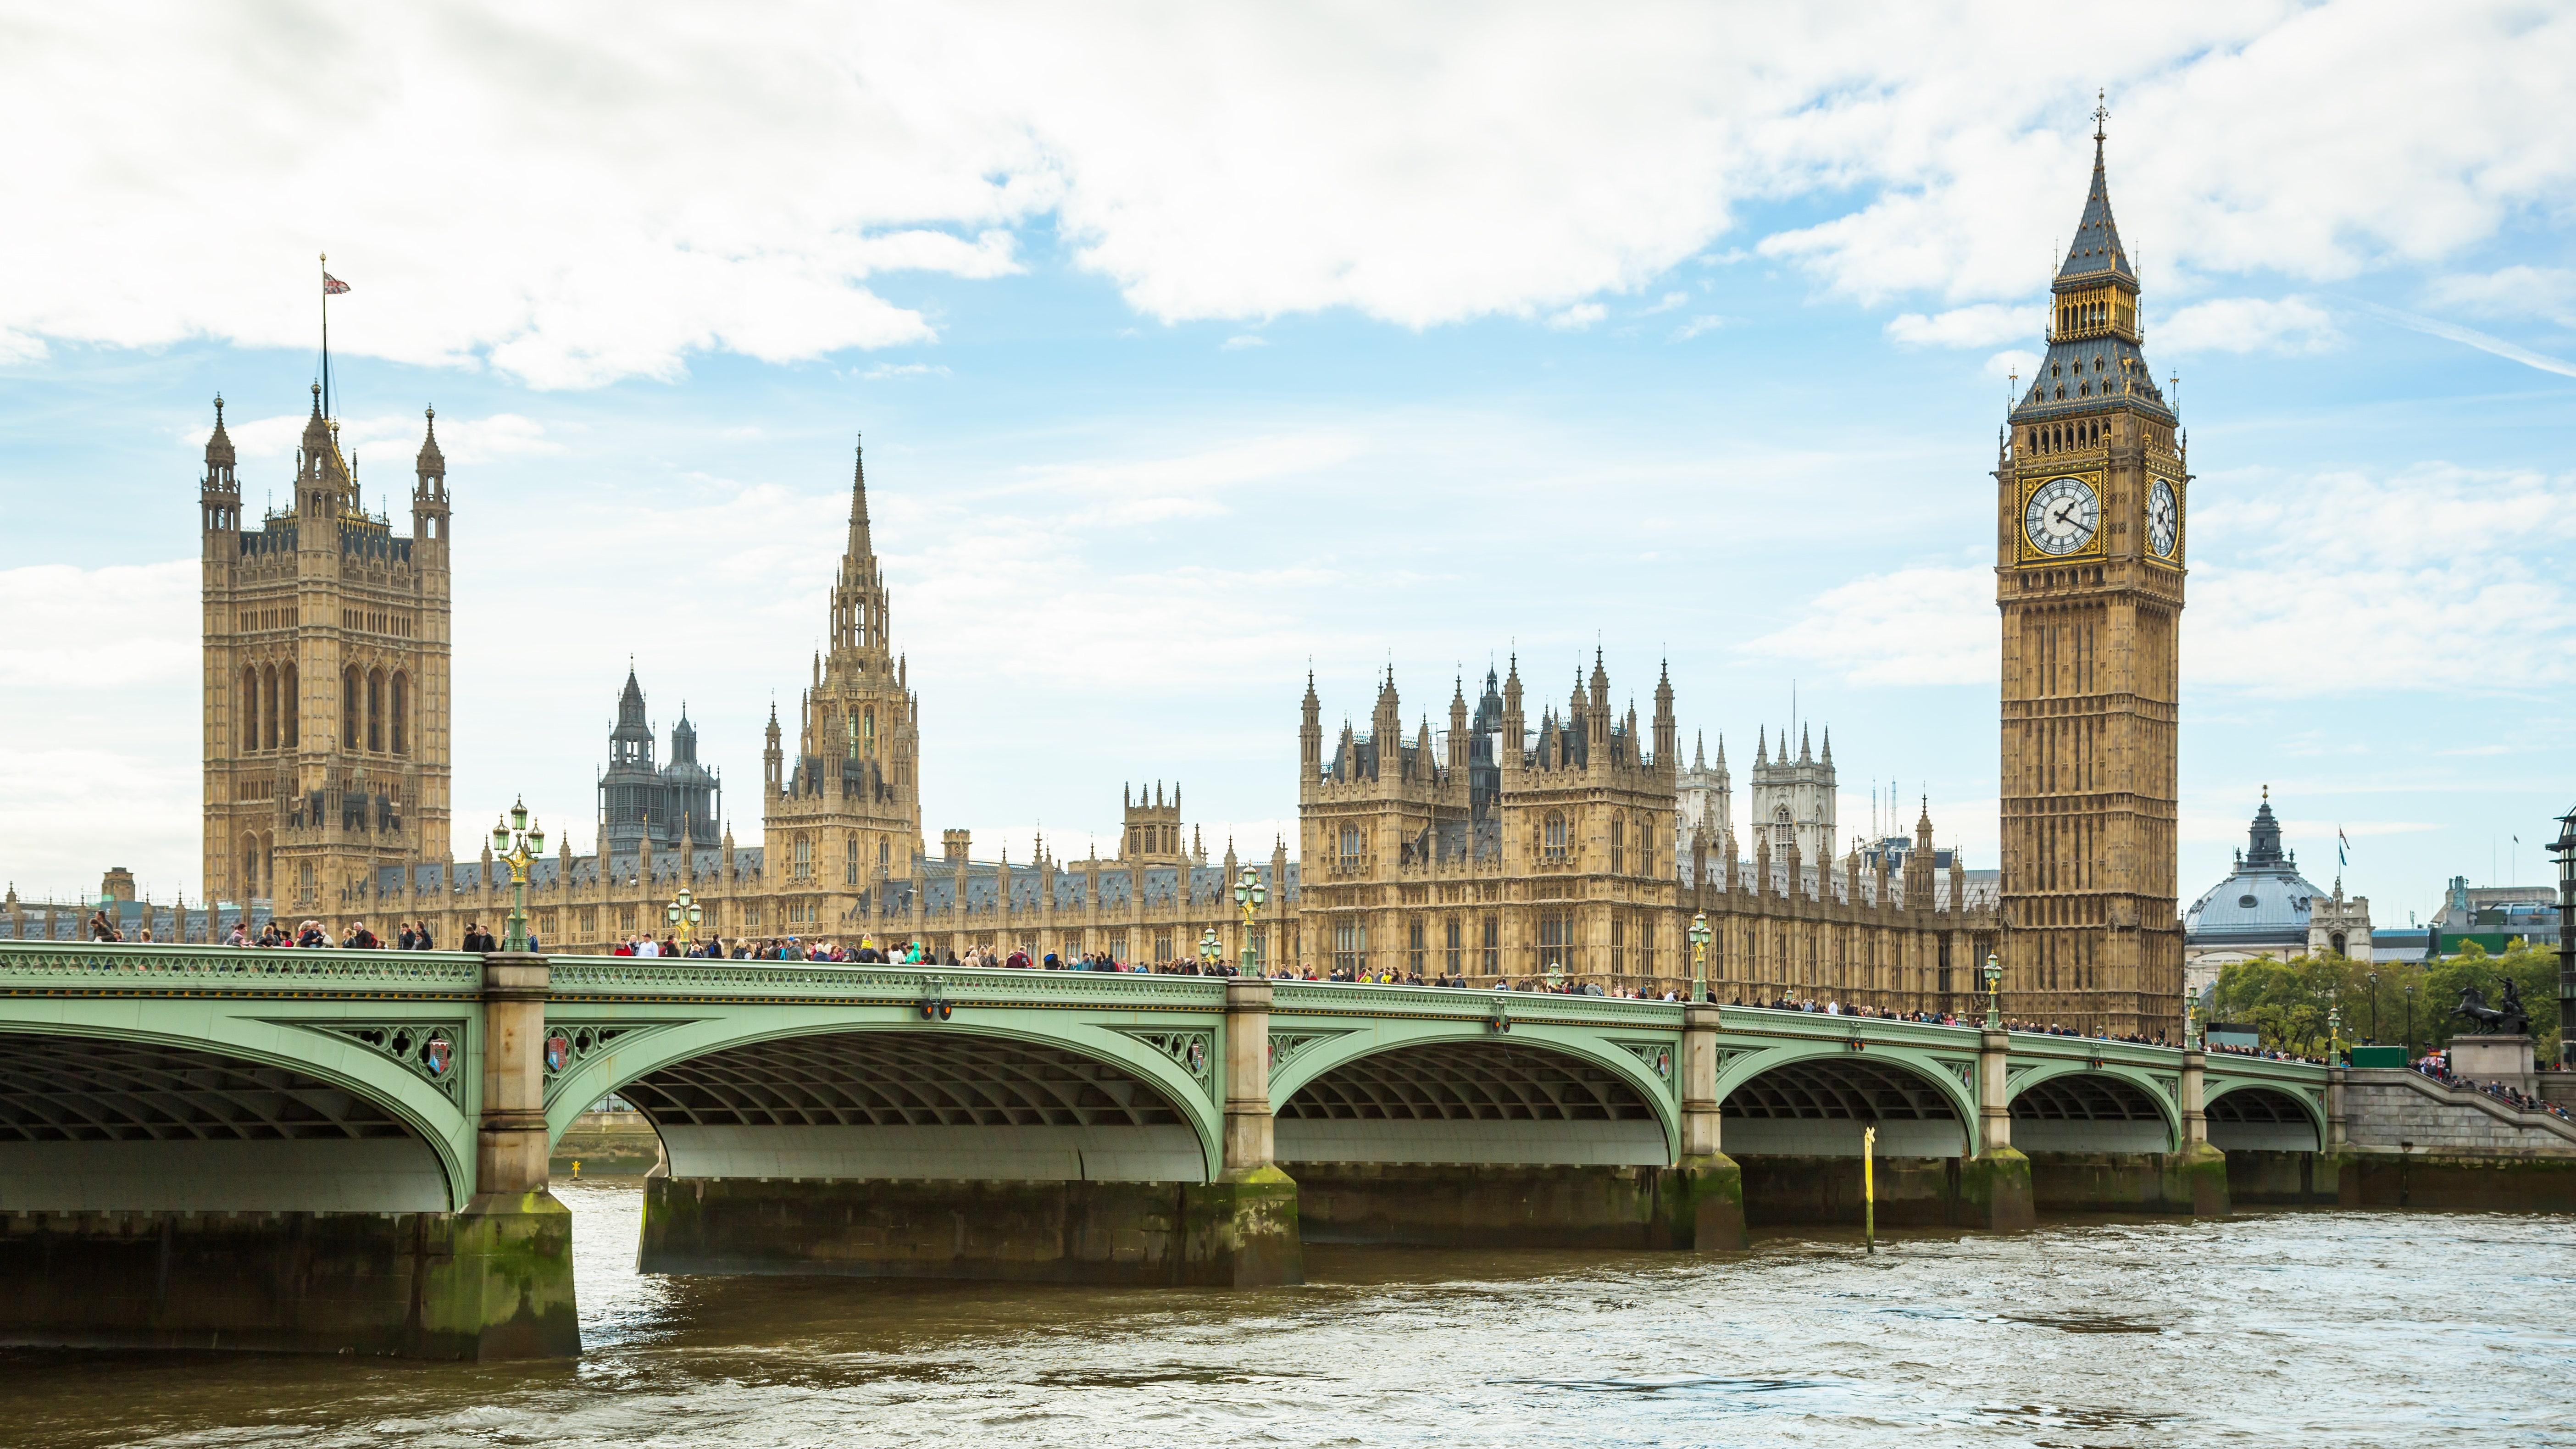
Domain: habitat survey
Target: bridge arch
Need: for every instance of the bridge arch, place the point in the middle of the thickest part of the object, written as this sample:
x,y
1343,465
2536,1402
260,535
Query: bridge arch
x,y
1460,1092
2073,1107
2262,1117
875,1092
1811,1100
235,1114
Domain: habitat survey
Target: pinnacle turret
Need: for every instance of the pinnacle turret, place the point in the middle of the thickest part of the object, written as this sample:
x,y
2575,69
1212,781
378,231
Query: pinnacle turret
x,y
219,446
431,462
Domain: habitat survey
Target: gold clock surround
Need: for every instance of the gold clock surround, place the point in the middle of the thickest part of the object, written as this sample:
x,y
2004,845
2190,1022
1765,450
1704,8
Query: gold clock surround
x,y
2031,554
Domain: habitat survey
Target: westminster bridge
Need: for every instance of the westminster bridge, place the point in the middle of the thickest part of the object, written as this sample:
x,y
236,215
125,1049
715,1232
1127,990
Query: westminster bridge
x,y
334,1150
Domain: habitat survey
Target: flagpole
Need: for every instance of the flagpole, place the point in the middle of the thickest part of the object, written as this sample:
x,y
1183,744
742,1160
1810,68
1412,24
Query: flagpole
x,y
326,334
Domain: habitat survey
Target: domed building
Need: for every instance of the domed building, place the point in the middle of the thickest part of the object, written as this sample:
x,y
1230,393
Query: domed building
x,y
2263,908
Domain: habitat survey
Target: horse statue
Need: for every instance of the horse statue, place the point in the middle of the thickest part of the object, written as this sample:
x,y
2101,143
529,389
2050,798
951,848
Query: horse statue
x,y
2505,1018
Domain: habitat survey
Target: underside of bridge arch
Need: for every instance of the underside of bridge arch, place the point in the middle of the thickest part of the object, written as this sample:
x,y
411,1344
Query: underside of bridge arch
x,y
2260,1119
1795,1129
1486,1102
92,1124
910,1104
1818,1106
2088,1112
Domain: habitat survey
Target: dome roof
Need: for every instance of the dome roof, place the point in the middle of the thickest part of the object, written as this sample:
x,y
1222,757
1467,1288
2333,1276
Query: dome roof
x,y
2264,901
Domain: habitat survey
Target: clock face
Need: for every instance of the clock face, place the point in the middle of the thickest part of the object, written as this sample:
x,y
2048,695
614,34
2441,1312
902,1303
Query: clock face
x,y
2164,519
2062,516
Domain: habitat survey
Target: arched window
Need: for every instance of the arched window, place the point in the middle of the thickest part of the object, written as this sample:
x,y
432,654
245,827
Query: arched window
x,y
1350,846
868,727
376,710
1552,836
850,861
402,714
350,684
249,884
1646,850
884,853
289,714
804,857
249,710
1618,845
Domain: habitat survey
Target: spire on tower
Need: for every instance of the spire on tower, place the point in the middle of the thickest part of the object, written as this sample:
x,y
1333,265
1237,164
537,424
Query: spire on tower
x,y
431,463
219,446
2096,248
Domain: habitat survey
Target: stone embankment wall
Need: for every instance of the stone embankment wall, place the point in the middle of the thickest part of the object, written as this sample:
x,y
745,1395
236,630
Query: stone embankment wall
x,y
2394,1109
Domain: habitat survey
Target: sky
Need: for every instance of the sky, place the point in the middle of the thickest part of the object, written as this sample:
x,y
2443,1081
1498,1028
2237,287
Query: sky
x,y
1196,347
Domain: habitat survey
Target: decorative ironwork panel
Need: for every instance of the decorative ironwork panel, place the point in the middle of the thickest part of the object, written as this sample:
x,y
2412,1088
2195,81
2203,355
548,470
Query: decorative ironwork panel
x,y
433,1051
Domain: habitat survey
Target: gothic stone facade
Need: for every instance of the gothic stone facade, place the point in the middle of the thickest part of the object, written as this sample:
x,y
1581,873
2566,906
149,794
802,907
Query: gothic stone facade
x,y
2090,487
325,684
1499,851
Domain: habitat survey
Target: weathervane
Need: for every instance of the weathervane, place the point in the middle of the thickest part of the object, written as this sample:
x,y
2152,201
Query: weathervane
x,y
2101,113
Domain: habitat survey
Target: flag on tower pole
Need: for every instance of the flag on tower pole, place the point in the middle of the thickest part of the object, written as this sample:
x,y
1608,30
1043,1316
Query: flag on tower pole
x,y
331,287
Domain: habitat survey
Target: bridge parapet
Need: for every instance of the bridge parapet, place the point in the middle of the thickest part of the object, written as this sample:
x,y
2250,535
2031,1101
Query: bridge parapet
x,y
592,977
177,970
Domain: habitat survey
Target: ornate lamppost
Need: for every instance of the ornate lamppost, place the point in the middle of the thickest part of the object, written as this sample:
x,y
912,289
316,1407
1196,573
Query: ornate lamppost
x,y
2373,979
684,913
2410,1025
1249,894
1209,950
1699,938
517,842
2564,848
1994,989
2191,1023
2334,1032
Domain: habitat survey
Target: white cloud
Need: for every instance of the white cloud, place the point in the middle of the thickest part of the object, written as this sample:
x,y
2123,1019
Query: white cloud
x,y
1914,626
2245,324
2013,363
1696,326
2517,291
2327,584
1666,303
1578,317
1242,340
1982,325
885,371
103,664
18,347
2305,569
385,444
576,194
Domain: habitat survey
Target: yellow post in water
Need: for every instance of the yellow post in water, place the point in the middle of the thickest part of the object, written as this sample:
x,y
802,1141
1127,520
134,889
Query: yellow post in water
x,y
1868,1188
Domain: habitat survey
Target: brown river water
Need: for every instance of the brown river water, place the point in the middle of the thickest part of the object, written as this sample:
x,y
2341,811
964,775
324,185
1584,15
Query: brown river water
x,y
2274,1329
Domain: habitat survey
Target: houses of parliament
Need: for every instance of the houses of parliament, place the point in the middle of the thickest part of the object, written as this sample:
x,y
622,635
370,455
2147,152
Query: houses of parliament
x,y
1533,835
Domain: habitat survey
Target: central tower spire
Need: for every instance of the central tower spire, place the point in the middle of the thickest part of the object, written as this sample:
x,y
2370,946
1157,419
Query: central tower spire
x,y
859,603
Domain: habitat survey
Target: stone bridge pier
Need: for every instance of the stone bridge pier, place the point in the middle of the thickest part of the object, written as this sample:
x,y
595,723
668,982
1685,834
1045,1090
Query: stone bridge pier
x,y
222,1153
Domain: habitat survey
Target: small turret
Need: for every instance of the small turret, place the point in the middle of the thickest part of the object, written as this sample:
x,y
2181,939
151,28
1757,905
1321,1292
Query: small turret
x,y
219,492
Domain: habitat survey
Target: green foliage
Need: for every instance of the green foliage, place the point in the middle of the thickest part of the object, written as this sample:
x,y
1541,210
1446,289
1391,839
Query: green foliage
x,y
2287,1001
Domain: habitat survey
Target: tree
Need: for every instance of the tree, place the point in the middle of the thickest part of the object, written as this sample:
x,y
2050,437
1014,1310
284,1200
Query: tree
x,y
2288,1001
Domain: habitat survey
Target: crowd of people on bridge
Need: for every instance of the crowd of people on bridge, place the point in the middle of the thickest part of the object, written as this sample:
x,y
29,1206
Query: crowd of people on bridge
x,y
2437,1065
2267,1054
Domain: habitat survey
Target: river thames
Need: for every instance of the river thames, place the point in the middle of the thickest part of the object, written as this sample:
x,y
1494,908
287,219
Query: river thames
x,y
2288,1328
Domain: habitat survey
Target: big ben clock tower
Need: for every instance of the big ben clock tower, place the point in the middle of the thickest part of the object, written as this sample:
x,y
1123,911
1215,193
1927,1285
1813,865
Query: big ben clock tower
x,y
2091,521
